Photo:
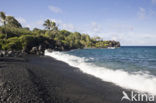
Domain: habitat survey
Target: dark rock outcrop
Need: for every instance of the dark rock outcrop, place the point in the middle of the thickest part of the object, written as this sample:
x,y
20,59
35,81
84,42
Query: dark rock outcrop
x,y
37,50
5,53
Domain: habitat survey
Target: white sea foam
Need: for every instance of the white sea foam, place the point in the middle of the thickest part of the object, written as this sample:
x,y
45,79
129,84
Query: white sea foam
x,y
141,82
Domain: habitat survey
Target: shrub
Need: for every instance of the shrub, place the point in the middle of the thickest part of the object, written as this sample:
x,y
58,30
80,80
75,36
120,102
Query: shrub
x,y
12,44
27,42
2,36
12,31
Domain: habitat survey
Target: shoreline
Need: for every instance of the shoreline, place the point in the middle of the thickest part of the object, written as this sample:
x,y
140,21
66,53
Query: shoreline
x,y
44,79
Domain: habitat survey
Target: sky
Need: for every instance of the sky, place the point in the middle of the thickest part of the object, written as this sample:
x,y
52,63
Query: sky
x,y
132,22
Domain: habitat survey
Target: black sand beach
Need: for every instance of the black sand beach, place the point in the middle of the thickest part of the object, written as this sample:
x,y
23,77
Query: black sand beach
x,y
34,79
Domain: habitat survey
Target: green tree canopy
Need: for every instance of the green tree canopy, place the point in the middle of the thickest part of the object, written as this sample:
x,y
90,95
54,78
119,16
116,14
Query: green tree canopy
x,y
12,22
3,18
50,25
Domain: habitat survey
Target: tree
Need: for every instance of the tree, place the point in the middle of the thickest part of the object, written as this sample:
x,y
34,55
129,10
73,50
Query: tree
x,y
47,24
65,32
9,21
3,19
53,26
27,28
12,22
50,25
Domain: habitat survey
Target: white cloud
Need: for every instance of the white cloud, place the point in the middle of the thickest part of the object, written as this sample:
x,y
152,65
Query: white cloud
x,y
36,24
21,20
95,28
124,33
131,38
141,13
24,22
40,22
145,13
69,27
55,9
154,1
66,26
121,27
31,25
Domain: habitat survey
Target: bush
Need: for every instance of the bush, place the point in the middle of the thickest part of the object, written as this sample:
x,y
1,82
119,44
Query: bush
x,y
12,44
14,32
27,41
2,36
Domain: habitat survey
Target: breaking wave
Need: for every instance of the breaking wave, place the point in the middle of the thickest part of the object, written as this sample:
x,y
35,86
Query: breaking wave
x,y
137,81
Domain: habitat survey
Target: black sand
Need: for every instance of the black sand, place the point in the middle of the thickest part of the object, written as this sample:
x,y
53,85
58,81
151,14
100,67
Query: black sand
x,y
45,80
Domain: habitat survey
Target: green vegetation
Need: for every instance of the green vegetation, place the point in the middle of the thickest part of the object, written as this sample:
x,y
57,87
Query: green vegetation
x,y
14,37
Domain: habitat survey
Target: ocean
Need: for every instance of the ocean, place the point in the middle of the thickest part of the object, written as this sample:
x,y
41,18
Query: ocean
x,y
130,67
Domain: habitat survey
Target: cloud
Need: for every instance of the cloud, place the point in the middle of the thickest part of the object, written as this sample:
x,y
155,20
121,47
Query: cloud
x,y
21,20
145,14
55,9
31,25
131,38
121,27
40,22
69,27
95,28
141,13
36,24
66,26
27,24
126,34
154,1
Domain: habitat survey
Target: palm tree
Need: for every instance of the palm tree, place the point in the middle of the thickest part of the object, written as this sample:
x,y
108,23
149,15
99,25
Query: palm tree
x,y
53,26
50,25
3,19
47,24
